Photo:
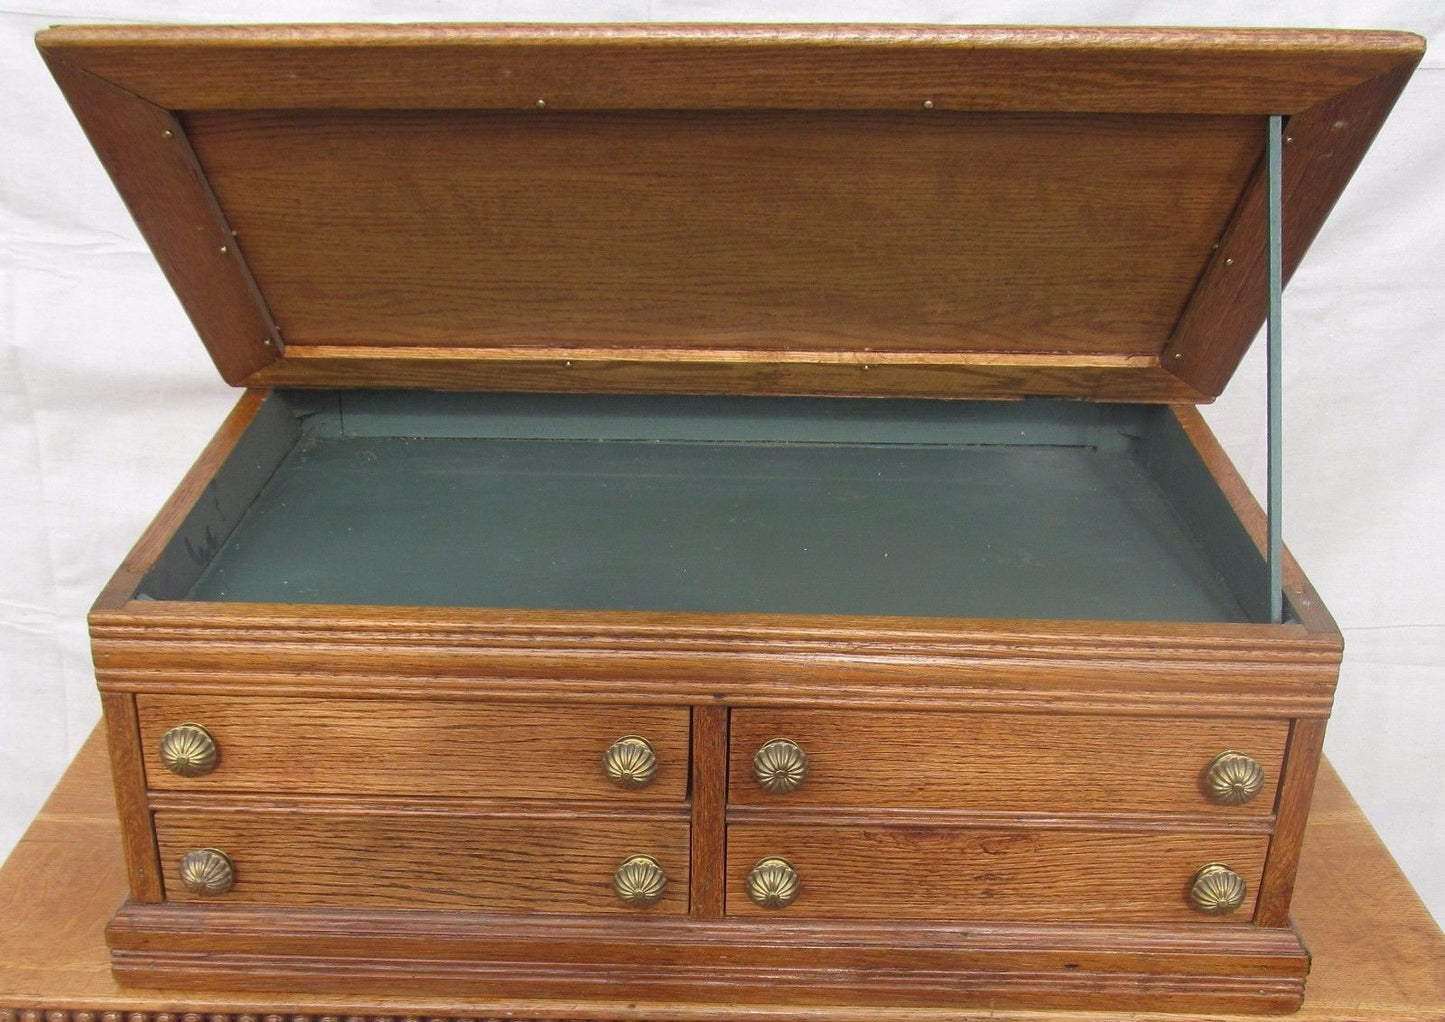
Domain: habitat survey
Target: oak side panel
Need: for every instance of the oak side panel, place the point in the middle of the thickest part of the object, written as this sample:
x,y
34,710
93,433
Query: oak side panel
x,y
938,872
421,860
138,839
147,155
417,747
1298,590
142,557
1004,763
1302,760
1324,145
709,810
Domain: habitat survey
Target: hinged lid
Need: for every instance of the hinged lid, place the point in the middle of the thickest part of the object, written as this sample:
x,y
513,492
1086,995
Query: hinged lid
x,y
926,211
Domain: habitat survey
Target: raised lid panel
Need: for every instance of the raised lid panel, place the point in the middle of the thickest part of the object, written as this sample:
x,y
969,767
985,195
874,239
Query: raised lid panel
x,y
928,211
917,231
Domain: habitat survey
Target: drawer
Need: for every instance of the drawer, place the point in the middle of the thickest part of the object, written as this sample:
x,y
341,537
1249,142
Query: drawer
x,y
1003,762
491,863
989,875
416,747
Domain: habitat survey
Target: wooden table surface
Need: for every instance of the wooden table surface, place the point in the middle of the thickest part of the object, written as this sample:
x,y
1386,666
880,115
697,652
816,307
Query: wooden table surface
x,y
1377,952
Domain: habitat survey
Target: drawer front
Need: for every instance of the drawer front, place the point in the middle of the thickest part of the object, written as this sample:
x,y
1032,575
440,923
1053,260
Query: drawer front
x,y
419,861
1004,762
416,747
989,875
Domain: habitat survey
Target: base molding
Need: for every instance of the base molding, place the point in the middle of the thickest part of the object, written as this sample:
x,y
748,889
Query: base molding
x,y
644,967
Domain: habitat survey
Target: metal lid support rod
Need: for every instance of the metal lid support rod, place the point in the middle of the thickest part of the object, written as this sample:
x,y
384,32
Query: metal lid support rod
x,y
1274,147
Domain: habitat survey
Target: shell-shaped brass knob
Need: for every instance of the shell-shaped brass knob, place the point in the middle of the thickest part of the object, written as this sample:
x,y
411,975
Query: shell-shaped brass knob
x,y
1232,778
780,766
1217,890
773,883
640,881
207,872
189,750
630,762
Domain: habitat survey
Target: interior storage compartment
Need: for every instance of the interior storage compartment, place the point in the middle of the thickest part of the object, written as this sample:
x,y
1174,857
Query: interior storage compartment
x,y
1033,509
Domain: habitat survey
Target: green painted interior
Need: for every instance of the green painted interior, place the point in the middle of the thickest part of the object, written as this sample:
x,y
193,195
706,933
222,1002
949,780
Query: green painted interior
x,y
1037,509
272,435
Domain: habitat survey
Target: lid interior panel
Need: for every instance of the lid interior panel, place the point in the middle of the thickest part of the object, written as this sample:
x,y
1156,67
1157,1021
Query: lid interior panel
x,y
909,231
913,211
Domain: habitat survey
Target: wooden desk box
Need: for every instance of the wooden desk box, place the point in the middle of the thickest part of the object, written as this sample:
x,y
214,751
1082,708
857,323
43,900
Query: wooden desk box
x,y
619,573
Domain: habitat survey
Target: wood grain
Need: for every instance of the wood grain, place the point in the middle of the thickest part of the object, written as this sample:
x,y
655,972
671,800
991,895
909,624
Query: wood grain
x,y
709,794
1152,670
1003,763
714,190
1377,953
730,66
824,171
417,747
1306,749
939,872
122,586
128,772
153,167
417,861
1303,599
462,939
730,371
1325,144
794,231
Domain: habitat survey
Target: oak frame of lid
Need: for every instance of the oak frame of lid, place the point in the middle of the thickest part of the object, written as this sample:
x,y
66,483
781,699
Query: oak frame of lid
x,y
617,209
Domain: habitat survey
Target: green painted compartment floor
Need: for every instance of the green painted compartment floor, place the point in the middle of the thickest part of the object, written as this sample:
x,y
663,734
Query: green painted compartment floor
x,y
775,527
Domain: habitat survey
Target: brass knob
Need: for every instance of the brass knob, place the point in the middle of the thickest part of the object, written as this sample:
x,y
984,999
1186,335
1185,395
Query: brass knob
x,y
640,881
780,766
630,762
1216,889
1232,778
189,750
774,883
207,872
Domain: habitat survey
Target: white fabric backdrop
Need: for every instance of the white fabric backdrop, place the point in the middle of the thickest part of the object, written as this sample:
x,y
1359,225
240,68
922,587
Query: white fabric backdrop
x,y
106,396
